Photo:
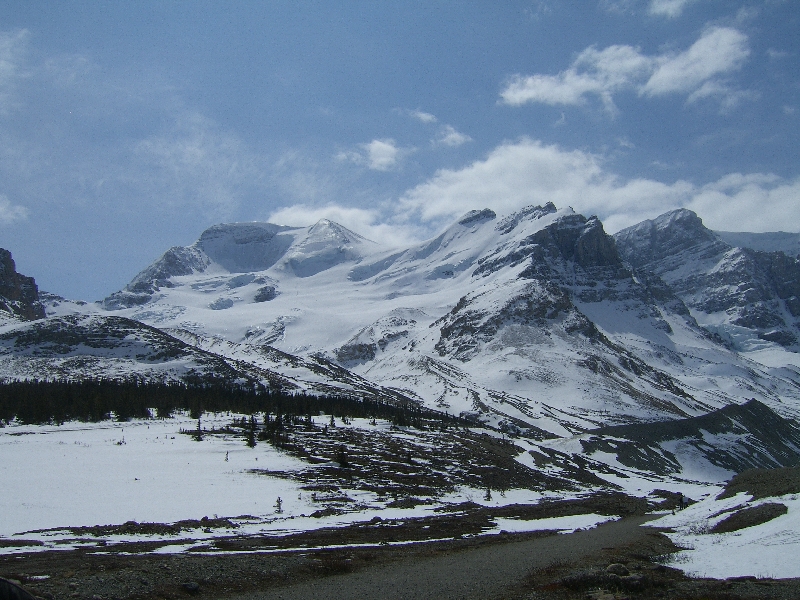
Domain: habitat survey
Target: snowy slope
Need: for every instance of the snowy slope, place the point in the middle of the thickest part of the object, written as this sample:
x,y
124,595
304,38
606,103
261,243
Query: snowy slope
x,y
709,448
529,322
750,297
532,320
755,520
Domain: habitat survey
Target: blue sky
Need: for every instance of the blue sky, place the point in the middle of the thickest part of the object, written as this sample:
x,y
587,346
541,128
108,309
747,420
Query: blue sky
x,y
127,128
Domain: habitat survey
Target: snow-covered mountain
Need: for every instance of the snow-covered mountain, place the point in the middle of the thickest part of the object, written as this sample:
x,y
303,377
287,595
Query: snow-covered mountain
x,y
532,322
749,297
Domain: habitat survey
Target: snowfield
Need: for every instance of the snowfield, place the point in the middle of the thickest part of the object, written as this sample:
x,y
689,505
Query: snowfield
x,y
767,550
80,474
57,479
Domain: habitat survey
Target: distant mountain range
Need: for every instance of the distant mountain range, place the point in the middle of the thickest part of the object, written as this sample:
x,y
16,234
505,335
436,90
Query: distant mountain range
x,y
667,348
538,321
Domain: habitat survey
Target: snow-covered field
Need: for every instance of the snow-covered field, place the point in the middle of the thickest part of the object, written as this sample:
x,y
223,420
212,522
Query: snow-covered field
x,y
767,550
57,478
80,474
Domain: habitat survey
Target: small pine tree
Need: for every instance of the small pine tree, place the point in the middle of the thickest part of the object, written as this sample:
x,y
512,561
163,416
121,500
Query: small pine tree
x,y
341,457
251,435
198,434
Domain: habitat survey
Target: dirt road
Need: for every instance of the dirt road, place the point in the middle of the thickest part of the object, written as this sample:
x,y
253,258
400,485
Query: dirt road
x,y
493,571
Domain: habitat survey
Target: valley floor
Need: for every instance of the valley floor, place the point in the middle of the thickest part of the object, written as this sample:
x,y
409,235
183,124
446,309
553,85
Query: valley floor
x,y
363,509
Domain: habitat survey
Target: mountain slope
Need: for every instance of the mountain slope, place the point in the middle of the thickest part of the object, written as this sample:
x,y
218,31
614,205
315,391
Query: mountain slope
x,y
749,297
75,347
531,322
534,323
732,439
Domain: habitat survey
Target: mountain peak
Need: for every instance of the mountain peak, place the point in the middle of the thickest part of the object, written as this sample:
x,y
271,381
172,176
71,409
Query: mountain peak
x,y
682,216
669,234
324,245
477,216
331,230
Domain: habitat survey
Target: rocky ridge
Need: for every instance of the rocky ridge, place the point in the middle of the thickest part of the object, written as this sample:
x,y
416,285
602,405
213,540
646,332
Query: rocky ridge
x,y
746,296
19,294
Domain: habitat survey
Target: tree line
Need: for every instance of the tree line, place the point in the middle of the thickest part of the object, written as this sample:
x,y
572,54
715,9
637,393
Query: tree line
x,y
92,400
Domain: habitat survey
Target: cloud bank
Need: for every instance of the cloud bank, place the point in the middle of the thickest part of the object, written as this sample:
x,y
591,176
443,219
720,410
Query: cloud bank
x,y
367,222
525,172
528,172
698,72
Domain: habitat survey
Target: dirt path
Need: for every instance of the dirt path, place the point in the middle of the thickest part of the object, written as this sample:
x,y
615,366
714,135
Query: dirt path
x,y
485,572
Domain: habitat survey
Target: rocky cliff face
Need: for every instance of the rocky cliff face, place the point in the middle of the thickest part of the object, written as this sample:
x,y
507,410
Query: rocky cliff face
x,y
745,295
18,294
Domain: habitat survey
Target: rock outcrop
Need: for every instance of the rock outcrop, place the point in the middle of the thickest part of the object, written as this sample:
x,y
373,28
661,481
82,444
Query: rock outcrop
x,y
18,293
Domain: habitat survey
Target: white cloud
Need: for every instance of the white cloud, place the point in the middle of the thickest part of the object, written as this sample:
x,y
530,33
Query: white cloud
x,y
719,50
423,116
377,155
598,72
448,136
751,202
729,98
668,8
602,73
11,213
382,155
517,174
366,222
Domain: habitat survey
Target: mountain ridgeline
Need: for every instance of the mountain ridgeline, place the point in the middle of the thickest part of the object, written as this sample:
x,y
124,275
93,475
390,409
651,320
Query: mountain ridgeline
x,y
744,294
537,323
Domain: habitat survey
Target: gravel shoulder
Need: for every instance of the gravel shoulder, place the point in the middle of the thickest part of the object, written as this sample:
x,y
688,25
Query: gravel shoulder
x,y
487,571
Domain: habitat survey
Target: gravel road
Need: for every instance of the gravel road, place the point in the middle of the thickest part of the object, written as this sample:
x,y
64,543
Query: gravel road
x,y
492,571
